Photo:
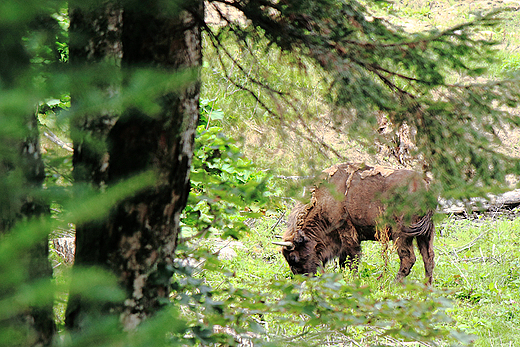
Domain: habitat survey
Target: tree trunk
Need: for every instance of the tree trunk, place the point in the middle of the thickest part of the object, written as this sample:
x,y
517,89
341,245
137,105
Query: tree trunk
x,y
95,41
40,315
138,240
21,177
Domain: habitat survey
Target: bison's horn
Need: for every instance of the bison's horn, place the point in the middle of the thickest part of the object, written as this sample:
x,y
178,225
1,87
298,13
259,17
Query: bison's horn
x,y
283,243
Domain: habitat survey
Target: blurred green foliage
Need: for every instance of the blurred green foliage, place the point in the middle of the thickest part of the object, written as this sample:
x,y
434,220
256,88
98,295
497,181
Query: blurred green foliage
x,y
210,304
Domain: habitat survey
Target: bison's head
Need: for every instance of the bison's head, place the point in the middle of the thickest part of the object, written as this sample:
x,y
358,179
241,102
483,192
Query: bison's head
x,y
300,253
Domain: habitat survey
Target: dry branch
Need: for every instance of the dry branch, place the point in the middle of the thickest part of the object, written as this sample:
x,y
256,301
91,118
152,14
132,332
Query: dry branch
x,y
477,260
469,245
51,136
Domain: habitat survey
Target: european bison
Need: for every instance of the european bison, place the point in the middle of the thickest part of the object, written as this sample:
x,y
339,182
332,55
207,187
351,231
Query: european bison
x,y
344,211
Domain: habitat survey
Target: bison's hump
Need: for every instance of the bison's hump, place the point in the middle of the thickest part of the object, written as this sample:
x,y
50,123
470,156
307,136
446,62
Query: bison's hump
x,y
346,167
382,170
331,170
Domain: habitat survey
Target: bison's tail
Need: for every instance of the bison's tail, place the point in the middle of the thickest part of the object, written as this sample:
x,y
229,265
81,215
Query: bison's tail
x,y
423,227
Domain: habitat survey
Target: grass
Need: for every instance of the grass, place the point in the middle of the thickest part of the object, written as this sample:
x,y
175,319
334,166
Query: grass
x,y
417,15
477,268
479,263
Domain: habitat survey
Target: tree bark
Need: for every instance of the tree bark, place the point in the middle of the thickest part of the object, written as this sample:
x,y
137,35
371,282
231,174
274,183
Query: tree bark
x,y
150,221
95,40
138,240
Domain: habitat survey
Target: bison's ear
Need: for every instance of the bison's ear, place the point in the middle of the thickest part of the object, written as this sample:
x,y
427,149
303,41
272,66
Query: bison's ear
x,y
300,237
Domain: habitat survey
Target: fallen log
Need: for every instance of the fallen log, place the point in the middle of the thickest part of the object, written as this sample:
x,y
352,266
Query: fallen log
x,y
508,200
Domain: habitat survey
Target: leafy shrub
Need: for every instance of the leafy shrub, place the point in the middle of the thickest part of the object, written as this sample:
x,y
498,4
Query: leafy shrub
x,y
226,187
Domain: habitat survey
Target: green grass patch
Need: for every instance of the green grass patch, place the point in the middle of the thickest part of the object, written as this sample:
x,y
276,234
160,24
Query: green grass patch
x,y
477,272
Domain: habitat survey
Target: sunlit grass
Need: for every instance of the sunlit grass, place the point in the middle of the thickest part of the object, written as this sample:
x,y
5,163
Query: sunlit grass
x,y
477,268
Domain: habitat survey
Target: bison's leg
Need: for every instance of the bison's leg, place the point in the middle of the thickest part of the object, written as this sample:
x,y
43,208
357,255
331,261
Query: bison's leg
x,y
406,255
350,256
350,247
425,244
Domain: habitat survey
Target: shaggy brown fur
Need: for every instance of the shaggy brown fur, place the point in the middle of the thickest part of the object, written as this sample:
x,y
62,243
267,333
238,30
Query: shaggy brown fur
x,y
344,211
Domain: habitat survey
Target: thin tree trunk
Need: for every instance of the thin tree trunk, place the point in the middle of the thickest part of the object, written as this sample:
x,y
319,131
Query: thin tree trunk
x,y
21,177
138,241
41,314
